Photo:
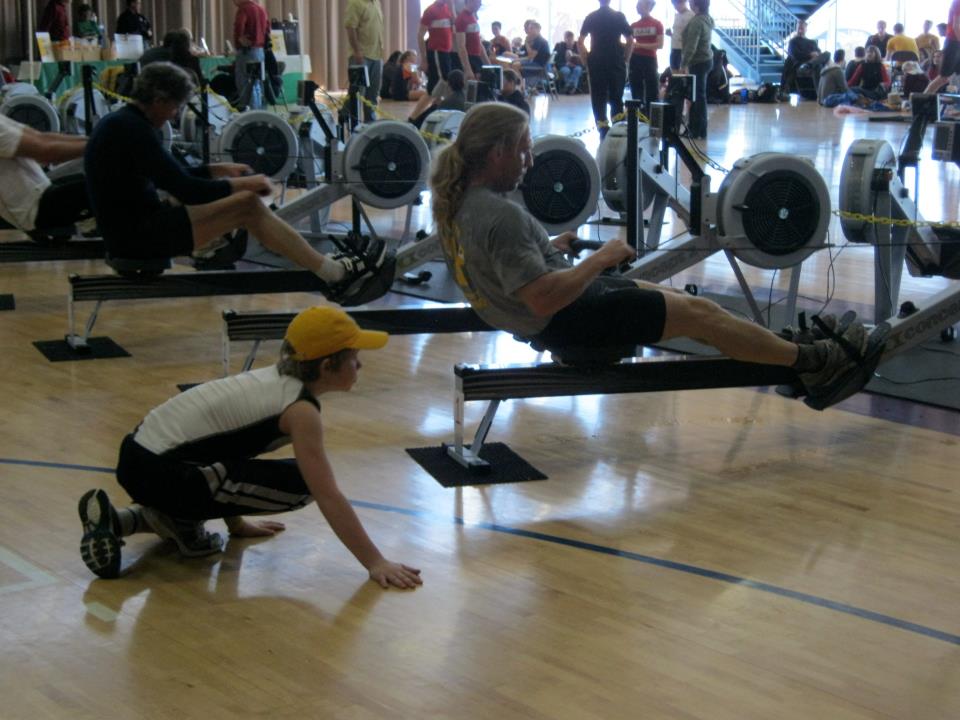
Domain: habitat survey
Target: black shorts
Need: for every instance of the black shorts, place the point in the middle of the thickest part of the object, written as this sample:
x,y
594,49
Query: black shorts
x,y
205,490
165,233
62,204
611,312
439,65
951,59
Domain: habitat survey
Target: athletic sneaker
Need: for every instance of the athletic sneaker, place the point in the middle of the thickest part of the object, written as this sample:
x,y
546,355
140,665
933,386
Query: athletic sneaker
x,y
837,359
100,545
809,334
359,268
191,537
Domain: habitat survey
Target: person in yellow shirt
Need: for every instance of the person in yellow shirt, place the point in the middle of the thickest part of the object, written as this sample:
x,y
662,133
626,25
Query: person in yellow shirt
x,y
927,42
363,21
901,43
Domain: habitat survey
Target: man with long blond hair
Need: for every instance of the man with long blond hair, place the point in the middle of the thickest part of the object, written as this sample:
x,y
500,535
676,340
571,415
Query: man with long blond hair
x,y
517,279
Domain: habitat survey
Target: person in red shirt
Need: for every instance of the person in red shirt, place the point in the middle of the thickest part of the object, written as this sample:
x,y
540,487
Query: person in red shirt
x,y
469,46
647,39
55,20
951,50
437,48
250,28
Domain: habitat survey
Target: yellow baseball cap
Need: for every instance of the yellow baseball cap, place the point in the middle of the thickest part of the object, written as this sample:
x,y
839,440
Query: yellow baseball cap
x,y
320,331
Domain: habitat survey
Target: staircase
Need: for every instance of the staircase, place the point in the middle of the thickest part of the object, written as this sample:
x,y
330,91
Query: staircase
x,y
754,33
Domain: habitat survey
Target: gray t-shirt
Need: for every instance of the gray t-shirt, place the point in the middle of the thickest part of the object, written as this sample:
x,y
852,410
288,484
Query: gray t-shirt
x,y
501,248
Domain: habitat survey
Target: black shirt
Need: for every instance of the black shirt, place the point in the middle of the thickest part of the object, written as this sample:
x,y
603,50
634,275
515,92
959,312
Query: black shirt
x,y
605,28
542,51
801,48
131,23
879,43
516,99
125,163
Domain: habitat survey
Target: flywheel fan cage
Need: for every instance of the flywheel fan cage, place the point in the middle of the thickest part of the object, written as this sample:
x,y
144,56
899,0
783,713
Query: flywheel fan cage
x,y
774,210
262,140
386,164
562,187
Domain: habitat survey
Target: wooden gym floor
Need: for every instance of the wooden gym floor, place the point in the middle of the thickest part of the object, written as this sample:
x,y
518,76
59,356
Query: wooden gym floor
x,y
721,554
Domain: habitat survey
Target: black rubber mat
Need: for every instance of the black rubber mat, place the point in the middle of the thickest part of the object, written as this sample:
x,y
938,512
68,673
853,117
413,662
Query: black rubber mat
x,y
505,466
7,302
98,348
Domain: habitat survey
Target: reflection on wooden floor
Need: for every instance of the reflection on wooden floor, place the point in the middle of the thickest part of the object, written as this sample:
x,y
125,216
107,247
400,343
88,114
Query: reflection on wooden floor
x,y
721,554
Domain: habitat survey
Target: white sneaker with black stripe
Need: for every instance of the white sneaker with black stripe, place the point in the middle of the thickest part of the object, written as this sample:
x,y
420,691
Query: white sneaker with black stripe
x,y
100,544
190,537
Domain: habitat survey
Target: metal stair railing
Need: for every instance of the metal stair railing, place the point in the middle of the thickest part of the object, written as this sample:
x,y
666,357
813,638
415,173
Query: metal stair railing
x,y
749,27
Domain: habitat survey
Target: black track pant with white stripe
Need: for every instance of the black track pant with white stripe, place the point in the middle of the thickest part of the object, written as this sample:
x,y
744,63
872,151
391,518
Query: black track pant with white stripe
x,y
199,491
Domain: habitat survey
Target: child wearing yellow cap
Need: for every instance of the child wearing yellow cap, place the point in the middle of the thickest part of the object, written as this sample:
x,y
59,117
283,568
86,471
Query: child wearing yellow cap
x,y
194,458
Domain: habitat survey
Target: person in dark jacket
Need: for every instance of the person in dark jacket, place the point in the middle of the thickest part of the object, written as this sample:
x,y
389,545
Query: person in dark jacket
x,y
132,22
871,80
126,164
607,61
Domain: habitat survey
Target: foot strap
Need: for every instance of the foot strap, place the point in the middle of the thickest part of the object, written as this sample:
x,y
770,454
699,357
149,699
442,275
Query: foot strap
x,y
854,380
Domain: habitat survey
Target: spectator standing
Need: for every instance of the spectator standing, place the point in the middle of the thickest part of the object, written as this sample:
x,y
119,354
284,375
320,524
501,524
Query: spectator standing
x,y
55,21
249,36
132,22
901,43
682,15
927,42
437,48
568,62
950,63
697,59
363,21
468,42
607,60
647,39
880,40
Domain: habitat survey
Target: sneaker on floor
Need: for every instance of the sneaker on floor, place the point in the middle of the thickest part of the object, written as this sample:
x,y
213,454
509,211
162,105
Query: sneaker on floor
x,y
190,537
100,545
837,358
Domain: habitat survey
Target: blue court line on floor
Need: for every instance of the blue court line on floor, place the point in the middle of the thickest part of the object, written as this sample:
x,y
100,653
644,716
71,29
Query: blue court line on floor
x,y
807,598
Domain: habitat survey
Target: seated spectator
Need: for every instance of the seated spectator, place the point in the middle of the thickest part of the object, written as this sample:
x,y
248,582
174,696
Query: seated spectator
x,y
871,80
915,80
407,82
499,44
87,27
511,92
900,43
927,42
447,95
933,66
859,54
390,68
801,50
832,80
536,53
569,63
